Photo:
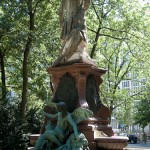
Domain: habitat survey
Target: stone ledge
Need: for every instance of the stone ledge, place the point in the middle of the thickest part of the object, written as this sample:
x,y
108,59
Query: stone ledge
x,y
111,143
118,138
136,149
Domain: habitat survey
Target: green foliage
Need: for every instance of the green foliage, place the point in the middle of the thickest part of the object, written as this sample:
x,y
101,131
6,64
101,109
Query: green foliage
x,y
118,35
143,110
14,134
118,32
45,45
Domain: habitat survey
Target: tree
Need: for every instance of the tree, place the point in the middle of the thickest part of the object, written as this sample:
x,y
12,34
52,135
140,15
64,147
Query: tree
x,y
44,46
118,35
5,41
10,37
3,75
142,113
31,11
32,40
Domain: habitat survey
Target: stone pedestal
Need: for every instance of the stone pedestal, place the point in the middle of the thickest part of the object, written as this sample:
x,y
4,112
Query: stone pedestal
x,y
111,143
95,143
72,84
78,86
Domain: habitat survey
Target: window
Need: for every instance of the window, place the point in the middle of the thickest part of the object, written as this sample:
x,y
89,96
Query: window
x,y
125,83
134,83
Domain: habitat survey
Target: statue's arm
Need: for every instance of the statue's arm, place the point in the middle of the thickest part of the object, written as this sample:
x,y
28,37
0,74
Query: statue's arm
x,y
71,121
50,115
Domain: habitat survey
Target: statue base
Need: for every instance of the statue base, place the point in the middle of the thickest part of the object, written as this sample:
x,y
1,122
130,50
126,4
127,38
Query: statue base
x,y
78,86
97,140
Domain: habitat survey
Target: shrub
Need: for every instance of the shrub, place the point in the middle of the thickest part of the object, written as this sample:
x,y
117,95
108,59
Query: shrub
x,y
14,134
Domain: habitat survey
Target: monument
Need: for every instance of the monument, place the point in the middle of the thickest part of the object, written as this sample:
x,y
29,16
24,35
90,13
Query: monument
x,y
76,80
73,35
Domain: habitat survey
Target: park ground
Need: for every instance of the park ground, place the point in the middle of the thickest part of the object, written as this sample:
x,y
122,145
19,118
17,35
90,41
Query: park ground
x,y
138,146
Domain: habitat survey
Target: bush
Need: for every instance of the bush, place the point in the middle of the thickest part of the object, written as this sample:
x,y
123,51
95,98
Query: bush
x,y
14,134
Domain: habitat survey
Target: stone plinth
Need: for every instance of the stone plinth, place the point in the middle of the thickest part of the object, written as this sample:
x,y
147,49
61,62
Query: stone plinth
x,y
80,82
78,86
111,143
95,143
97,138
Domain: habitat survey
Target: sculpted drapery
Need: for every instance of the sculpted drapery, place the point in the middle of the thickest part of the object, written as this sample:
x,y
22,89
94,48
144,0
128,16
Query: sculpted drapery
x,y
73,35
72,16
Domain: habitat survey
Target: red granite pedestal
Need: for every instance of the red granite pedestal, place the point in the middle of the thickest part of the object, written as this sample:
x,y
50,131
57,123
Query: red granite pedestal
x,y
78,86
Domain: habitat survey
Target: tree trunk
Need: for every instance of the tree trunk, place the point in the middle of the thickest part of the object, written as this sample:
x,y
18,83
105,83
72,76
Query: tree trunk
x,y
3,76
95,43
25,79
25,63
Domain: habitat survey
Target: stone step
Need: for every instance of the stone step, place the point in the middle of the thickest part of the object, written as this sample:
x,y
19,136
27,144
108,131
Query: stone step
x,y
136,149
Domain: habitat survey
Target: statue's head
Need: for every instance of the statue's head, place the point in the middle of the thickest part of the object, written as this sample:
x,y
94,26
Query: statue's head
x,y
61,107
50,107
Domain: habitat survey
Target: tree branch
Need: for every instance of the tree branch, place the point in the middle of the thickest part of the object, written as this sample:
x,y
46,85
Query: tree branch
x,y
113,37
107,35
114,30
96,13
91,30
35,8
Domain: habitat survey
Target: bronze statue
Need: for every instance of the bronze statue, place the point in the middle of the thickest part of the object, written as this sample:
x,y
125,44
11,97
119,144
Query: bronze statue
x,y
73,35
65,134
